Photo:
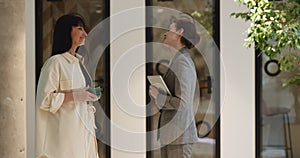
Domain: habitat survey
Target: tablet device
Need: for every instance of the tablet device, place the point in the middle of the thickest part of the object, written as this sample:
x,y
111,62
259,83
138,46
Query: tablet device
x,y
159,83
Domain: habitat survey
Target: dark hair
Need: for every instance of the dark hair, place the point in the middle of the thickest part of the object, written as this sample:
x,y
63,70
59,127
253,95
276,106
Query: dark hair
x,y
62,41
190,36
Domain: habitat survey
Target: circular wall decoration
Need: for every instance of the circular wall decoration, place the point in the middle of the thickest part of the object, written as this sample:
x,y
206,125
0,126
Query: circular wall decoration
x,y
272,67
162,68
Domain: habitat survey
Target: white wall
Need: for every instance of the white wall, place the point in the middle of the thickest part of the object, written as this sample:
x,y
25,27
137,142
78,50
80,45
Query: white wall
x,y
30,78
238,88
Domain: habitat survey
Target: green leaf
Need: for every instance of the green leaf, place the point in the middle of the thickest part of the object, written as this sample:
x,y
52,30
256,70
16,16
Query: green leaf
x,y
275,26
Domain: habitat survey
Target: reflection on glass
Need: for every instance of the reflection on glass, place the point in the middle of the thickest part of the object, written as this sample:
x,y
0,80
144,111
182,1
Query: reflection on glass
x,y
279,112
93,11
205,110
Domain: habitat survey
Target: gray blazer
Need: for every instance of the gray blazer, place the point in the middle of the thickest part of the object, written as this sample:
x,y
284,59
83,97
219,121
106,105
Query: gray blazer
x,y
176,122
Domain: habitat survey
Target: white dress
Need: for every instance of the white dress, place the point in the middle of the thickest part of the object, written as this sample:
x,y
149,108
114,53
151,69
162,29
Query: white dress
x,y
63,130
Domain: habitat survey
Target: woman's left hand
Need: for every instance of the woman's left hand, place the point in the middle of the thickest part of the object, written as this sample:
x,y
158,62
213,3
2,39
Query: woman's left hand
x,y
153,91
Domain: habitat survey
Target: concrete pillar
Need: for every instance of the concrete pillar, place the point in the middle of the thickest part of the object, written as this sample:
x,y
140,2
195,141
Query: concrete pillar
x,y
12,85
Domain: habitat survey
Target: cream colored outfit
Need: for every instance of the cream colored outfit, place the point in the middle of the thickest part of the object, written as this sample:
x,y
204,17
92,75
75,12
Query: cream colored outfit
x,y
63,130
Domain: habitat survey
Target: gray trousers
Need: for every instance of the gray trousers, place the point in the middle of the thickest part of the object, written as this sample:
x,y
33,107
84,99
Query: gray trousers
x,y
177,151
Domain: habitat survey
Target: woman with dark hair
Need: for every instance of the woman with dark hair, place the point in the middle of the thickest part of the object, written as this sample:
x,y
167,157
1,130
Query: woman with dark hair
x,y
177,130
65,111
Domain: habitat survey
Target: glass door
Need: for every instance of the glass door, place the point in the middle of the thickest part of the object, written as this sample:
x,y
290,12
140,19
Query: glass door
x,y
205,55
277,111
96,59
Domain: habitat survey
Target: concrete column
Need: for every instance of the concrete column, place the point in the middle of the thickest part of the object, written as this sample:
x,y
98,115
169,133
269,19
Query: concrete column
x,y
12,85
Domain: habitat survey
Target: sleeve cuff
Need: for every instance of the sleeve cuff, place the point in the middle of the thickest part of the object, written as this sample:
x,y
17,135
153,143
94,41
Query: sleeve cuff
x,y
161,100
57,101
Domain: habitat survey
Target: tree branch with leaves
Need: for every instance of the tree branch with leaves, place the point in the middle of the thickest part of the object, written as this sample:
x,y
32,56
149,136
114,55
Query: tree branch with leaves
x,y
274,30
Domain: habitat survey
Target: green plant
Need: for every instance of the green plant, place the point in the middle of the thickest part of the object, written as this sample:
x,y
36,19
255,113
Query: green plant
x,y
275,30
205,19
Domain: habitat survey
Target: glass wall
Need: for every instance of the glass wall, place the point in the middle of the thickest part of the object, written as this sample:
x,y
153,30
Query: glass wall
x,y
205,56
279,111
93,12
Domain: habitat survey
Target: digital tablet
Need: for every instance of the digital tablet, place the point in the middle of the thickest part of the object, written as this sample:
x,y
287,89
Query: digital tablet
x,y
159,83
